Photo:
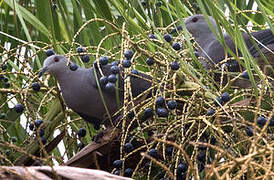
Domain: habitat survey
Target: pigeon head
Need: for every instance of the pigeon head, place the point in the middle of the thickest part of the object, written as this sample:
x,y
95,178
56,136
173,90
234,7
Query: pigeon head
x,y
54,65
198,26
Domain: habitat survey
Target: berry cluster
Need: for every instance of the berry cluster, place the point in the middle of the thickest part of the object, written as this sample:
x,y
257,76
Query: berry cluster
x,y
37,125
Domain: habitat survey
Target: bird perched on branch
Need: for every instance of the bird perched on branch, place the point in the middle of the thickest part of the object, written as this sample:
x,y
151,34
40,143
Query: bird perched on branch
x,y
80,90
213,51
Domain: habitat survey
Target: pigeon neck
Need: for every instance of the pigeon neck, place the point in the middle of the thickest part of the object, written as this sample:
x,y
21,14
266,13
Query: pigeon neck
x,y
204,39
63,75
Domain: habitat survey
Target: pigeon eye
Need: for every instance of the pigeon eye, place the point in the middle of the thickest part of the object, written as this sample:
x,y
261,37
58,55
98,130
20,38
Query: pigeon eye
x,y
56,59
195,19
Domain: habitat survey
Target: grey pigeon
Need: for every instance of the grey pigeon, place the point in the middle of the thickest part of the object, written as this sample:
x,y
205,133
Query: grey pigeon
x,y
80,90
212,50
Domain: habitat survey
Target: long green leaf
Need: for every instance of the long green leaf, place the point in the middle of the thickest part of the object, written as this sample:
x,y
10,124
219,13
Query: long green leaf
x,y
30,18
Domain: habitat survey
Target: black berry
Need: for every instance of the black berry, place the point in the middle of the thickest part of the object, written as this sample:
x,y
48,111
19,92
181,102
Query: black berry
x,y
50,52
85,58
126,63
178,28
110,87
128,147
173,31
117,172
31,126
172,104
210,112
261,121
182,168
176,46
218,101
225,97
131,115
160,102
80,50
117,164
80,145
115,63
36,86
103,60
95,65
128,172
153,153
134,71
103,80
174,66
112,78
128,53
114,69
19,108
168,37
73,66
148,113
82,132
152,36
162,112
245,75
150,61
38,122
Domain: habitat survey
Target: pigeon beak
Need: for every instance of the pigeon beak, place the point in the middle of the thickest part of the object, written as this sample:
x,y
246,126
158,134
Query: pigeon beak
x,y
42,71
